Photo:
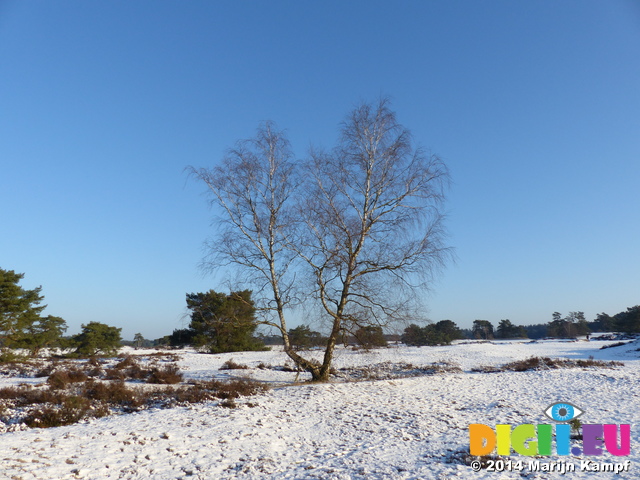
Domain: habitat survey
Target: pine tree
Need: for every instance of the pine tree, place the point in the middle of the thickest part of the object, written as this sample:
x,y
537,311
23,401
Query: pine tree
x,y
138,341
223,323
98,338
19,308
21,325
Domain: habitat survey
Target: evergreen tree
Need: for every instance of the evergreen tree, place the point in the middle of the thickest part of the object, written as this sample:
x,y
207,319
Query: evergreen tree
x,y
413,335
138,340
628,321
603,323
45,332
19,308
181,337
441,333
482,329
21,324
98,338
449,330
506,329
223,323
570,326
370,336
303,337
539,330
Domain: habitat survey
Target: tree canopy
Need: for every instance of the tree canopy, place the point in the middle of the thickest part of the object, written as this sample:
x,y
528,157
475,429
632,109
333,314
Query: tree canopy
x,y
570,326
223,323
98,338
629,320
441,333
21,323
357,229
506,329
482,329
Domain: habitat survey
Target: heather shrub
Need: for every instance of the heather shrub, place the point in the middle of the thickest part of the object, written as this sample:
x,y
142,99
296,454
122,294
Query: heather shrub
x,y
72,409
231,365
167,375
59,379
116,393
236,388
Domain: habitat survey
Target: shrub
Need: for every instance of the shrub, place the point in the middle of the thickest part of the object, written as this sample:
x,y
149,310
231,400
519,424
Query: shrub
x,y
231,365
618,344
126,362
46,370
114,374
228,403
195,393
72,410
236,388
544,363
59,379
9,356
70,396
114,393
164,376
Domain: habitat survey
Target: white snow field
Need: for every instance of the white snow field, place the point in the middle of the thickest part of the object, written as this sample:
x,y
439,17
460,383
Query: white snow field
x,y
405,428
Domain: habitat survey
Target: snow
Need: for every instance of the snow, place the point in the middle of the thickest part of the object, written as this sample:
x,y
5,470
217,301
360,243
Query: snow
x,y
401,428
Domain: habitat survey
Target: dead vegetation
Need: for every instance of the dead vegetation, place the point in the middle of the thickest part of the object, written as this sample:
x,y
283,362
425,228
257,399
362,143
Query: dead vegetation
x,y
390,370
78,391
231,365
546,363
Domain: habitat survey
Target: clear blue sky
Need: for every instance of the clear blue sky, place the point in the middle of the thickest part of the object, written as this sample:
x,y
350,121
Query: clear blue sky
x,y
535,107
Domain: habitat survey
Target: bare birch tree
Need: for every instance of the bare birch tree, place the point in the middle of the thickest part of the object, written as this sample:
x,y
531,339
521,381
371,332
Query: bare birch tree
x,y
374,226
365,225
254,185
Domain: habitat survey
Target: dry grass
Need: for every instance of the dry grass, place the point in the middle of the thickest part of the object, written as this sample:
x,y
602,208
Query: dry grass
x,y
546,363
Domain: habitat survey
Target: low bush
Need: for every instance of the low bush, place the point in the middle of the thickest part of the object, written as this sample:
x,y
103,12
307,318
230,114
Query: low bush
x,y
229,403
59,379
236,388
9,356
20,396
113,393
617,344
44,407
69,410
391,370
546,363
126,362
71,393
231,365
165,376
165,356
532,363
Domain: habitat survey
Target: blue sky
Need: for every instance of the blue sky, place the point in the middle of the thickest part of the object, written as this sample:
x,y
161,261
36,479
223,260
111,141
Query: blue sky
x,y
534,106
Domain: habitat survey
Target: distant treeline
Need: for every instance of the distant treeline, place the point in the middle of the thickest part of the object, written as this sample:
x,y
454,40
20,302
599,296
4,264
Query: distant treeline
x,y
569,326
445,331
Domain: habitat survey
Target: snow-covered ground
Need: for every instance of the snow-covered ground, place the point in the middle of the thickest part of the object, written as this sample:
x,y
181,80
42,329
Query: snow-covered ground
x,y
406,428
